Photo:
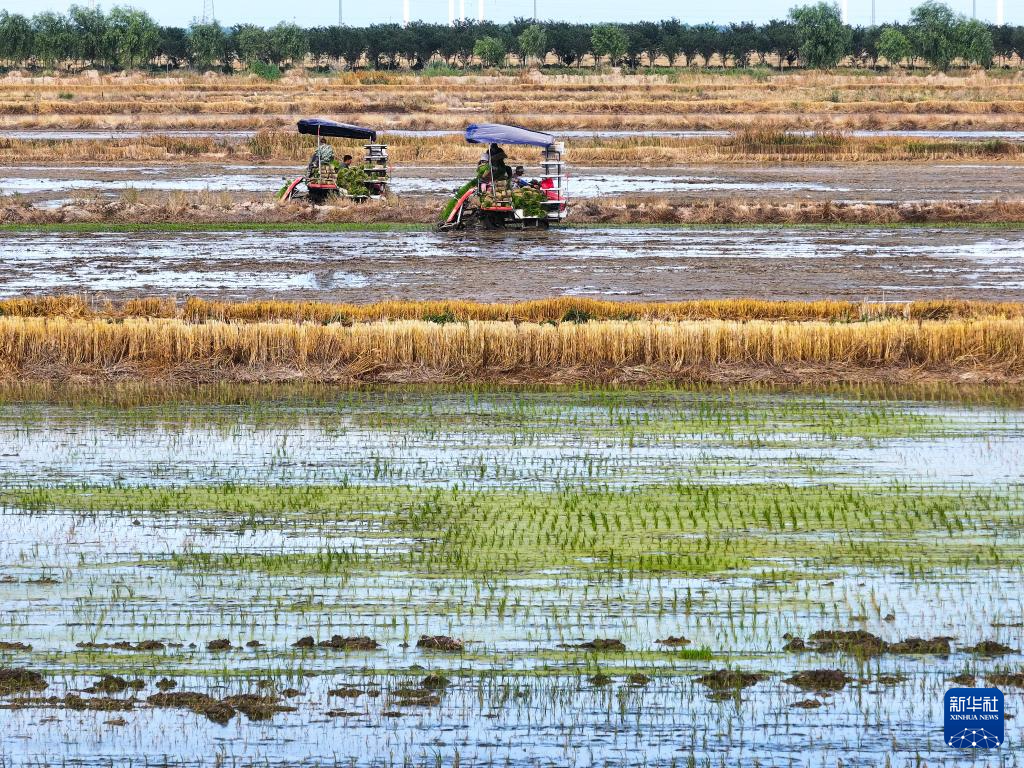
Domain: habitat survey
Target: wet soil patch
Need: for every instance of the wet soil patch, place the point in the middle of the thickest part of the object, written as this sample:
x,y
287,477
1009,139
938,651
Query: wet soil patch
x,y
858,642
597,644
819,680
440,643
142,645
16,680
730,679
990,648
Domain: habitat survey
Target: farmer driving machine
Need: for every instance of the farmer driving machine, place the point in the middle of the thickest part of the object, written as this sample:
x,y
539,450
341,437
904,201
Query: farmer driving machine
x,y
500,197
328,176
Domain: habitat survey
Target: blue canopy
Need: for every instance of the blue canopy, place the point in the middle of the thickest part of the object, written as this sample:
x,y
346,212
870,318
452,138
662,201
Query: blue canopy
x,y
318,126
495,133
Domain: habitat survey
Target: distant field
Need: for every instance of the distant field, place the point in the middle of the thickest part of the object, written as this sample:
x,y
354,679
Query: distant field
x,y
679,100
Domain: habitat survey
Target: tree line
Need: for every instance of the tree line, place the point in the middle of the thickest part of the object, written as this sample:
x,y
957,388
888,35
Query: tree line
x,y
811,36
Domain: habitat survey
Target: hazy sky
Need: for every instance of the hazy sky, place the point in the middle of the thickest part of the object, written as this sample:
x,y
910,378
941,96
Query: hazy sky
x,y
360,13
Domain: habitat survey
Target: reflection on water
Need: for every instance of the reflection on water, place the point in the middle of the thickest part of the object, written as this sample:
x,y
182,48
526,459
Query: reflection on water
x,y
514,698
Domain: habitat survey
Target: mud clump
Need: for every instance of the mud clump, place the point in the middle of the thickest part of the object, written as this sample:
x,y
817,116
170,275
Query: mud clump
x,y
166,684
216,711
73,702
990,648
257,707
114,684
891,679
855,641
339,643
965,679
858,642
819,680
935,646
15,680
806,704
5,646
672,641
346,692
730,679
435,682
597,644
638,679
99,704
440,643
600,680
1012,679
305,642
219,645
123,645
420,697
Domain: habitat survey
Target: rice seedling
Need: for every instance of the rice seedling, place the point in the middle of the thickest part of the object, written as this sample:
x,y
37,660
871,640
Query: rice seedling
x,y
167,563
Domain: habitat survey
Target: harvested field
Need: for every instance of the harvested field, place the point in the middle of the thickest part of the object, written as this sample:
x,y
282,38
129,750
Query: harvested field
x,y
680,100
747,146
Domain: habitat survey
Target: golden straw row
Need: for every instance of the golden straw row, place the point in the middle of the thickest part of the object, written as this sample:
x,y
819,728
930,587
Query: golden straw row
x,y
48,348
558,309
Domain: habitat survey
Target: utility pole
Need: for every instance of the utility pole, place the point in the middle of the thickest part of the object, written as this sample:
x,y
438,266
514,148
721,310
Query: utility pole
x,y
872,13
341,23
534,11
1000,17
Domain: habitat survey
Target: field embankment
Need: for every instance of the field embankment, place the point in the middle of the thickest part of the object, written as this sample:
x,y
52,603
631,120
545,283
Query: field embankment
x,y
974,342
211,208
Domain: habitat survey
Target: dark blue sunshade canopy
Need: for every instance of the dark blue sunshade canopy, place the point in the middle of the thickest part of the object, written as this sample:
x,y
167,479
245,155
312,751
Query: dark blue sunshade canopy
x,y
495,133
318,126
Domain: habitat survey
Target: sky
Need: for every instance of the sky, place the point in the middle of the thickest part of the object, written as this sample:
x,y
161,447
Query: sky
x,y
268,12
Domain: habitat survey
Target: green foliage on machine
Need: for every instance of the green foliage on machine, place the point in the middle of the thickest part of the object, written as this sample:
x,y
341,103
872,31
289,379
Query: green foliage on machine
x,y
450,205
353,181
530,201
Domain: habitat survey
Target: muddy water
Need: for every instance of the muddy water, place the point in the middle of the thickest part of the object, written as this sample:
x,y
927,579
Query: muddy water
x,y
869,183
655,264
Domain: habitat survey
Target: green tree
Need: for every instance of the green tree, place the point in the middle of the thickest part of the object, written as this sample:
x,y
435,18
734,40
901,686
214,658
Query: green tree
x,y
974,43
570,42
490,50
15,38
207,45
932,34
609,40
134,36
288,42
93,41
351,45
251,43
173,46
53,38
824,39
894,46
533,42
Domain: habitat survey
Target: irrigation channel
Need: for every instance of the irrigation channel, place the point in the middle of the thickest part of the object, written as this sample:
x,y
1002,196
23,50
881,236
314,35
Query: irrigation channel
x,y
525,525
657,264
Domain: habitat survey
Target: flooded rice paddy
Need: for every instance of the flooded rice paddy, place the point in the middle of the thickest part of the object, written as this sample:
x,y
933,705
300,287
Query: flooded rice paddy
x,y
250,585
669,264
878,183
